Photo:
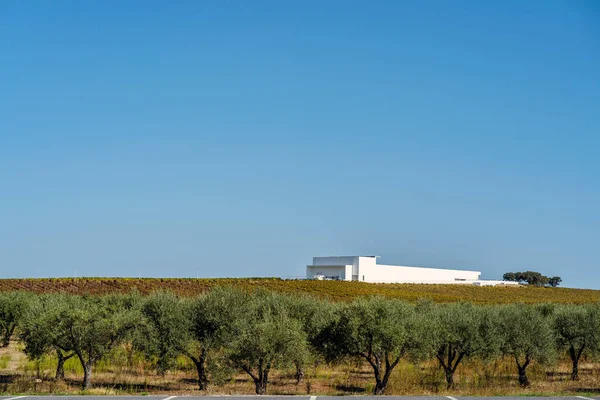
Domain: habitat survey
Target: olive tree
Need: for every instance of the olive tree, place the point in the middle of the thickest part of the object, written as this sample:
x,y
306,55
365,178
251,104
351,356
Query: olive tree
x,y
13,306
92,326
213,320
38,333
578,329
379,330
264,336
166,330
191,327
527,336
463,330
314,316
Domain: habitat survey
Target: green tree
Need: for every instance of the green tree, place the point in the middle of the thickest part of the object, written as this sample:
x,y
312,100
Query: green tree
x,y
527,336
578,329
464,330
510,276
38,333
541,280
215,318
532,278
13,306
382,331
167,329
264,336
193,328
554,281
314,316
92,326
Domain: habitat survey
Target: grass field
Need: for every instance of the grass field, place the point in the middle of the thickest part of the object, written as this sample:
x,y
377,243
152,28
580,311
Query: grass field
x,y
334,290
122,372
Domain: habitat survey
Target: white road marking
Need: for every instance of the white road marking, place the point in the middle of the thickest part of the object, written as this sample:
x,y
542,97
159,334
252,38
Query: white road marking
x,y
168,398
451,398
579,397
313,397
15,398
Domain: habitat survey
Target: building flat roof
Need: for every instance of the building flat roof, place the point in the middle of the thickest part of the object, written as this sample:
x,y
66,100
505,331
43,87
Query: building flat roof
x,y
346,256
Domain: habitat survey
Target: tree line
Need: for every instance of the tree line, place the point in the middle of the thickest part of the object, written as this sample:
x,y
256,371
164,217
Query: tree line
x,y
532,278
256,332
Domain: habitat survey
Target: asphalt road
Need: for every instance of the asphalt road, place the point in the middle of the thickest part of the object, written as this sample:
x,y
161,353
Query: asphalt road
x,y
288,397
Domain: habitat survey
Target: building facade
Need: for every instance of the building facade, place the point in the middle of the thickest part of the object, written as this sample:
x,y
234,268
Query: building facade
x,y
366,269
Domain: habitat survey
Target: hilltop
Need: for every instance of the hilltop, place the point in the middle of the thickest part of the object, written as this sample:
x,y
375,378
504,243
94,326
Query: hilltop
x,y
334,290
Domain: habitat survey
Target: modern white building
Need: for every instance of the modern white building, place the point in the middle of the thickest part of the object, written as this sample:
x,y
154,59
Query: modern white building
x,y
366,269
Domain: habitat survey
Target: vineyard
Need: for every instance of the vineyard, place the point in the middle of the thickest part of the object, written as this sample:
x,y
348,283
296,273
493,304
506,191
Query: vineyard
x,y
332,290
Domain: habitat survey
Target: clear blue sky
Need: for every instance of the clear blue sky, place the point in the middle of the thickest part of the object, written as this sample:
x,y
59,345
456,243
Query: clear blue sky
x,y
237,138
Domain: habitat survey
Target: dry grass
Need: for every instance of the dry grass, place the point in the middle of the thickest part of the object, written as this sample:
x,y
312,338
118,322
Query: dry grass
x,y
473,378
334,290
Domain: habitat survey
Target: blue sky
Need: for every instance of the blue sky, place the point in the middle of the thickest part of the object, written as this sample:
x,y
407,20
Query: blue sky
x,y
234,138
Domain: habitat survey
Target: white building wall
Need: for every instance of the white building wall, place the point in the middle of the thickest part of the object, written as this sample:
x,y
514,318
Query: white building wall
x,y
348,275
366,269
365,265
402,274
495,283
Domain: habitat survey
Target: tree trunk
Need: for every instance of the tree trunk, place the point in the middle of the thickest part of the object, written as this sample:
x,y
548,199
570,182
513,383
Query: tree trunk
x,y
7,335
575,372
261,386
449,359
202,375
575,356
87,370
260,382
200,363
382,371
60,366
60,369
87,376
523,379
449,378
299,372
381,383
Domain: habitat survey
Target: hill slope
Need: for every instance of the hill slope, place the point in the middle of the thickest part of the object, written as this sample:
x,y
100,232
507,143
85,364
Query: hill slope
x,y
335,290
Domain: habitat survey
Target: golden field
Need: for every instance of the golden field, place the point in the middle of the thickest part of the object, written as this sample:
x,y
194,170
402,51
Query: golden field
x,y
333,290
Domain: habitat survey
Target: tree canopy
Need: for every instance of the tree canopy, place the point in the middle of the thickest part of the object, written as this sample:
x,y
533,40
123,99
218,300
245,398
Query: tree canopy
x,y
264,336
86,326
527,336
578,329
379,330
532,278
13,305
166,329
463,330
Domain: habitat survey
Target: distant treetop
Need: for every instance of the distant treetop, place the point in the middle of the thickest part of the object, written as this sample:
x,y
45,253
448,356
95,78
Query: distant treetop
x,y
532,278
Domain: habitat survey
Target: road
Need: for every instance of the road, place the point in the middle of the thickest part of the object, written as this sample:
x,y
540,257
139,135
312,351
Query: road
x,y
288,397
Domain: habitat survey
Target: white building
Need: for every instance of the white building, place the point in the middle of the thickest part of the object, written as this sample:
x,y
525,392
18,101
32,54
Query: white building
x,y
366,269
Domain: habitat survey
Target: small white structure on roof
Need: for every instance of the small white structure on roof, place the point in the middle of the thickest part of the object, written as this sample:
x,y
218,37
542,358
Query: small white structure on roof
x,y
366,269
